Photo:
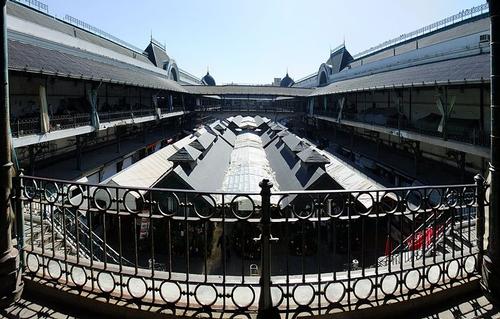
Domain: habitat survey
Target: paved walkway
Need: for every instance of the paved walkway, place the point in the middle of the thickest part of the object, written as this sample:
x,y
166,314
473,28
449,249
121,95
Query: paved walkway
x,y
474,306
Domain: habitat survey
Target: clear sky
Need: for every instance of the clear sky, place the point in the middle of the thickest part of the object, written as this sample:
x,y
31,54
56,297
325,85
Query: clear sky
x,y
253,41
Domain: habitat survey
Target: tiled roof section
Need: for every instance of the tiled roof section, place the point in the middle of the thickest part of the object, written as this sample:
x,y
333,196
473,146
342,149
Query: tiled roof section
x,y
30,58
185,154
247,90
466,69
311,155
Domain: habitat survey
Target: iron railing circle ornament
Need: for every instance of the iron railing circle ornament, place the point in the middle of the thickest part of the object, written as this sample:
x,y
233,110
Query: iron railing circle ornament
x,y
96,201
240,315
51,195
331,289
54,269
209,199
101,282
411,206
236,213
412,279
30,191
132,284
76,277
452,197
170,286
470,265
469,196
198,293
433,274
167,211
243,305
32,263
334,207
302,312
308,210
139,201
389,197
275,289
434,198
304,299
284,208
360,197
452,269
359,288
389,284
71,195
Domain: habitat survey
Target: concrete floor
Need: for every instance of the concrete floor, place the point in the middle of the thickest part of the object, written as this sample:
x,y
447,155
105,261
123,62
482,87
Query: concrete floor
x,y
474,306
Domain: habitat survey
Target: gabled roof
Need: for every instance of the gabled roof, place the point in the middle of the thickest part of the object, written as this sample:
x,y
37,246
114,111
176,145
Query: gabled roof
x,y
339,59
203,142
291,140
185,154
229,137
157,55
312,156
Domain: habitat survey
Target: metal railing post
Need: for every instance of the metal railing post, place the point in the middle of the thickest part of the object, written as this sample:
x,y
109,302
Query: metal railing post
x,y
18,188
480,219
266,309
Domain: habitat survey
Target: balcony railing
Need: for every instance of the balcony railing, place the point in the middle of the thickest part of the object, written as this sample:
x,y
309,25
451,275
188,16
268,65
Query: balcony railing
x,y
245,108
25,126
469,136
63,122
191,251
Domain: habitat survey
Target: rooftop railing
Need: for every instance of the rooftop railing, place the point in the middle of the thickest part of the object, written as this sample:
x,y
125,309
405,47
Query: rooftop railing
x,y
35,4
461,16
210,252
88,27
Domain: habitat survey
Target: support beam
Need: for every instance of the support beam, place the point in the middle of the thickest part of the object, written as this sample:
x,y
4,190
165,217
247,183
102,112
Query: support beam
x,y
79,152
490,280
10,272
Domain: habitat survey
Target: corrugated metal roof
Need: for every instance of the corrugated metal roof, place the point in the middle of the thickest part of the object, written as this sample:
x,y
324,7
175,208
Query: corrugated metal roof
x,y
148,171
466,69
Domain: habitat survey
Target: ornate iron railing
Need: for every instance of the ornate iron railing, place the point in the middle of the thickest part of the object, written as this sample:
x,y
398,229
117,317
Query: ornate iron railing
x,y
247,108
193,251
25,126
63,122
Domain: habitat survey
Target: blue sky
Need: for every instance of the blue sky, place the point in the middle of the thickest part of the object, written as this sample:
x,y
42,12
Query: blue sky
x,y
255,41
